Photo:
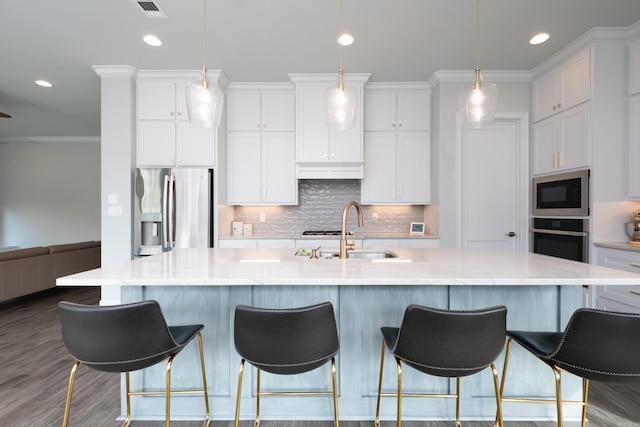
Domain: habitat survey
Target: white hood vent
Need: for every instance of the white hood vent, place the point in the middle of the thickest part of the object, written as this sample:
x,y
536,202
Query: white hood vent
x,y
150,9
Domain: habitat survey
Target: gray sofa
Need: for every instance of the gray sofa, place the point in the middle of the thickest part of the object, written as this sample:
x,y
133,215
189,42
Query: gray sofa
x,y
30,270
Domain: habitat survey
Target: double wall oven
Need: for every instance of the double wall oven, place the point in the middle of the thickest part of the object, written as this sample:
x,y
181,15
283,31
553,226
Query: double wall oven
x,y
560,209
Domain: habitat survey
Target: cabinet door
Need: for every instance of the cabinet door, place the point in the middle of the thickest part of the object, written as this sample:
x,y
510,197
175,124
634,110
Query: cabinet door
x,y
312,134
244,167
379,183
278,112
279,184
380,111
243,111
414,110
195,145
574,80
545,145
156,100
413,168
545,96
345,145
575,146
156,144
634,146
634,66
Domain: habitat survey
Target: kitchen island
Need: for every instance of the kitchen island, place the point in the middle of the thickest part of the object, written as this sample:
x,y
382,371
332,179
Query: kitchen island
x,y
205,285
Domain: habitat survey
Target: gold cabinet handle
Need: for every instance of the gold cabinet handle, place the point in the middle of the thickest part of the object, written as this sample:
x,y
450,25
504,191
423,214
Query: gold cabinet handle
x,y
635,264
635,292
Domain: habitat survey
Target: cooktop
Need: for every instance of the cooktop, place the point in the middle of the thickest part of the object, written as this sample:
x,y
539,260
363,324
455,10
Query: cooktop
x,y
323,233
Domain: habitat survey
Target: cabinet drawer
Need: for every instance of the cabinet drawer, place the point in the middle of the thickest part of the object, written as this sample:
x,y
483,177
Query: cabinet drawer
x,y
619,259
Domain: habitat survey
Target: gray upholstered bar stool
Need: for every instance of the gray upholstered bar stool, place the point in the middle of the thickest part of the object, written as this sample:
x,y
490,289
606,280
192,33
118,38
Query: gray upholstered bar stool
x,y
125,338
286,341
444,343
596,345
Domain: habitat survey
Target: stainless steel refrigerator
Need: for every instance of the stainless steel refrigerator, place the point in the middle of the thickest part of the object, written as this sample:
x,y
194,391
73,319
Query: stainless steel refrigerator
x,y
173,208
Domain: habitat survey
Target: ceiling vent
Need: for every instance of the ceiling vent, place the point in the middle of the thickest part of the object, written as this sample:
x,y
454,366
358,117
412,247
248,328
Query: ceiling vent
x,y
150,9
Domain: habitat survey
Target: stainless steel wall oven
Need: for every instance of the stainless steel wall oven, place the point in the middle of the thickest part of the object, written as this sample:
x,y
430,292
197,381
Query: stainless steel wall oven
x,y
561,237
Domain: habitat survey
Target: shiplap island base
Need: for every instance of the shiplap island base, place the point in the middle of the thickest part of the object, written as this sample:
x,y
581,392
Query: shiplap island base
x,y
205,285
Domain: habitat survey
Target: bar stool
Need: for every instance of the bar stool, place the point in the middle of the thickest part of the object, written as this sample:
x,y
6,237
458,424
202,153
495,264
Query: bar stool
x,y
286,341
125,338
444,343
596,345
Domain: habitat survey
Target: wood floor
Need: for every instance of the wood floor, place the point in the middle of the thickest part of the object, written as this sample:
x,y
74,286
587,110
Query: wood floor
x,y
35,368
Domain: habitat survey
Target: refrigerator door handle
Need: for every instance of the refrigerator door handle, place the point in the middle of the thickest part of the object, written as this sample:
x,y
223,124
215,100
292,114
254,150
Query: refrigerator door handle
x,y
172,212
165,216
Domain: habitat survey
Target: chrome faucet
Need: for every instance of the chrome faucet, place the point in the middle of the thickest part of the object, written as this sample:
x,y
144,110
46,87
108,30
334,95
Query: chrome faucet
x,y
344,246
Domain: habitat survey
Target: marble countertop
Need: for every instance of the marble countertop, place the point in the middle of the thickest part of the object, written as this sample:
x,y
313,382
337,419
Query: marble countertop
x,y
618,245
413,266
334,237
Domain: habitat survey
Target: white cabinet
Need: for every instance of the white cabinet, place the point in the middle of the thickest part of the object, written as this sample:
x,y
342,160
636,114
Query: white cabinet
x,y
322,152
162,100
263,108
397,168
563,141
389,108
634,146
175,143
165,138
563,87
634,65
261,167
623,298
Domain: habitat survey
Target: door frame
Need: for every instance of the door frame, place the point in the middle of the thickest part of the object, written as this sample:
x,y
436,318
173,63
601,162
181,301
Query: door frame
x,y
523,189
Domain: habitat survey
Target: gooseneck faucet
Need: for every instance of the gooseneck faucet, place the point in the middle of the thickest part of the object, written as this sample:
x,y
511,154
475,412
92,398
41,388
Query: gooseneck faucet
x,y
344,246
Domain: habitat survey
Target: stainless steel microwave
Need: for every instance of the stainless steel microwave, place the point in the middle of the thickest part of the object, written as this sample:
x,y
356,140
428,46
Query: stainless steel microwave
x,y
563,194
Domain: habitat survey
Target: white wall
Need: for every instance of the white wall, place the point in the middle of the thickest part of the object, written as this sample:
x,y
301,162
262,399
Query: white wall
x,y
49,191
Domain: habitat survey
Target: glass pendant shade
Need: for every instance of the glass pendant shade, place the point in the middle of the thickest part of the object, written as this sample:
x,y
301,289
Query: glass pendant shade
x,y
341,105
478,103
204,102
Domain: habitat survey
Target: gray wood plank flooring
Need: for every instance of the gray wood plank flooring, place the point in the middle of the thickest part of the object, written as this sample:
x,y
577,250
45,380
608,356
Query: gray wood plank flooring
x,y
35,369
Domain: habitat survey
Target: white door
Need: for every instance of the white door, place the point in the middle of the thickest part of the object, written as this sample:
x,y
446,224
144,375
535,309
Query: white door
x,y
489,186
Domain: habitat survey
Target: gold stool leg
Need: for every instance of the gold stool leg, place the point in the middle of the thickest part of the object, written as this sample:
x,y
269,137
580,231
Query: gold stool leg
x,y
585,397
380,385
239,393
458,424
167,416
127,389
204,383
67,406
501,390
556,373
496,388
257,424
399,421
334,381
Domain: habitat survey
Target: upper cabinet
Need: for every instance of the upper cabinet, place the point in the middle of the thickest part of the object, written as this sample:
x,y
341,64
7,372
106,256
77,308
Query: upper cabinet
x,y
165,138
162,100
267,108
397,144
563,86
389,108
321,152
634,65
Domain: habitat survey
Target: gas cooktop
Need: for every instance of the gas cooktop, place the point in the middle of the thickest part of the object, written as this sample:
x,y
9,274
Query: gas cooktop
x,y
323,233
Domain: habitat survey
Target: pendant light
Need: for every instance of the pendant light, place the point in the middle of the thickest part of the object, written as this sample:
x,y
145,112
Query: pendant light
x,y
204,99
341,99
478,101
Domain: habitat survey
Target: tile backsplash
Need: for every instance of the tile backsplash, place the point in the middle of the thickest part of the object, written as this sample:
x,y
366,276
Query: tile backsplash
x,y
320,208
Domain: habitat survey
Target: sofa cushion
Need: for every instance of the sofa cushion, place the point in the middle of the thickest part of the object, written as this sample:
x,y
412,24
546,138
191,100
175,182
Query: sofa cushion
x,y
23,253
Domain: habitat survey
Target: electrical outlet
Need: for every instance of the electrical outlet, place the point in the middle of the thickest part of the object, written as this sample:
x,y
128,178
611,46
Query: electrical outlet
x,y
374,217
263,217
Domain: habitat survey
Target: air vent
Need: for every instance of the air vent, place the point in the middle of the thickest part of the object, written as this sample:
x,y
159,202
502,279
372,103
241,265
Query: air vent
x,y
150,9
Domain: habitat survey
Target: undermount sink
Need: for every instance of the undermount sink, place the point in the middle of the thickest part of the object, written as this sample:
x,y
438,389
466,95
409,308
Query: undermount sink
x,y
358,254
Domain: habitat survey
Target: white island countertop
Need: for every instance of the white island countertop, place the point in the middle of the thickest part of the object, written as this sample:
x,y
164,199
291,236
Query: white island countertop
x,y
432,266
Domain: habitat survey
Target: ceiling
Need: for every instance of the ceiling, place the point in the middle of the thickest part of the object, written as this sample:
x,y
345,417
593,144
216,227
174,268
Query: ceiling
x,y
264,40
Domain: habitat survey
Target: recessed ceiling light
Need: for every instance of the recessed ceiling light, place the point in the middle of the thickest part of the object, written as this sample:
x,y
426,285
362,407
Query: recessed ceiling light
x,y
539,38
43,83
152,40
345,39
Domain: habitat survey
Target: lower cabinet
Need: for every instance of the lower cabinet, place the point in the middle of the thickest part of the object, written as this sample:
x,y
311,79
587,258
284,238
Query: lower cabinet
x,y
240,242
619,298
